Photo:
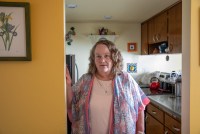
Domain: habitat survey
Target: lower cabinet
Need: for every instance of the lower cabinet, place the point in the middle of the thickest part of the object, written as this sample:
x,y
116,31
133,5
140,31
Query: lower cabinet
x,y
158,121
172,124
153,126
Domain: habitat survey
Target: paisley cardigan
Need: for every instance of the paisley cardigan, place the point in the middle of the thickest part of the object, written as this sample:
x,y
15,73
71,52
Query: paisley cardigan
x,y
128,101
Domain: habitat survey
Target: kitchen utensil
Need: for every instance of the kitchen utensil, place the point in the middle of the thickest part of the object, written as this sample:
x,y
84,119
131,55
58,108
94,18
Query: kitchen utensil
x,y
162,47
177,91
164,76
178,86
154,85
173,76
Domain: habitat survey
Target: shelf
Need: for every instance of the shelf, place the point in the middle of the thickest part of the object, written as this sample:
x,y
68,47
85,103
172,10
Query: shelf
x,y
95,38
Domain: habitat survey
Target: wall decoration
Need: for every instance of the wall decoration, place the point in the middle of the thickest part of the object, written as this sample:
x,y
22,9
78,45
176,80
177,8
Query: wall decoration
x,y
15,31
103,31
69,35
132,47
132,67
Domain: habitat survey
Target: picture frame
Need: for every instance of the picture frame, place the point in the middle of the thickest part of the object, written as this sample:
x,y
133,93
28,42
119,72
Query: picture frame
x,y
132,67
15,43
132,47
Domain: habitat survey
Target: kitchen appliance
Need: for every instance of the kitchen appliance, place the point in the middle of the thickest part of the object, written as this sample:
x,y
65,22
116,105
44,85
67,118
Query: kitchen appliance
x,y
154,84
173,76
157,85
177,91
72,67
163,78
73,70
171,82
178,86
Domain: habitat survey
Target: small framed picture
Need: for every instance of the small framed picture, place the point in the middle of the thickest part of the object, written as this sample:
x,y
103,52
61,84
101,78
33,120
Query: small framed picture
x,y
15,31
132,67
132,47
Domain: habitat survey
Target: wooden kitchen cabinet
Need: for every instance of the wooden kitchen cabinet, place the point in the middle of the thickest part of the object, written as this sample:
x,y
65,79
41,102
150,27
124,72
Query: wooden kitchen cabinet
x,y
144,41
175,28
165,27
153,126
157,28
172,124
156,113
154,120
158,121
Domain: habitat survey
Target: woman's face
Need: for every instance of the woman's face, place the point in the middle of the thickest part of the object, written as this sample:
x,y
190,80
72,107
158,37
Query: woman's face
x,y
103,59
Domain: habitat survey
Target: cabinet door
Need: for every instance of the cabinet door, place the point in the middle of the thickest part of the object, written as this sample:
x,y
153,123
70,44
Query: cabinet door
x,y
151,31
155,112
172,124
153,126
144,40
161,27
175,28
157,28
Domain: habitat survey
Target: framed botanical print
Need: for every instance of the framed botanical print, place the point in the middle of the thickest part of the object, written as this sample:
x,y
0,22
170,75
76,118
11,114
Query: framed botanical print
x,y
15,31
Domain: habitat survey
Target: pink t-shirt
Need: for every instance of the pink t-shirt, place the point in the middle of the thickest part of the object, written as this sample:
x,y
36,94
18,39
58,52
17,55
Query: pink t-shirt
x,y
100,106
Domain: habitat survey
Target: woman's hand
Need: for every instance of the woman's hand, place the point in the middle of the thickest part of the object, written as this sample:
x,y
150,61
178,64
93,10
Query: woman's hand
x,y
140,123
68,78
69,91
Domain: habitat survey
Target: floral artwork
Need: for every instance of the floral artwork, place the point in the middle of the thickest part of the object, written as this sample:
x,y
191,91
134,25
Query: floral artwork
x,y
15,34
7,30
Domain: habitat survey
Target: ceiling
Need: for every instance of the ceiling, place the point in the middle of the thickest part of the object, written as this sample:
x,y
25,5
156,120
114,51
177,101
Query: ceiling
x,y
120,10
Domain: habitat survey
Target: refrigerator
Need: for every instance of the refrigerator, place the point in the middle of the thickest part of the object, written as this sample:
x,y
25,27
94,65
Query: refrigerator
x,y
73,70
70,61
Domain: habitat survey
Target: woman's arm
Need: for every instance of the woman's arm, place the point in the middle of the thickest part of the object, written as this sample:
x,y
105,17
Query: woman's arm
x,y
140,123
69,89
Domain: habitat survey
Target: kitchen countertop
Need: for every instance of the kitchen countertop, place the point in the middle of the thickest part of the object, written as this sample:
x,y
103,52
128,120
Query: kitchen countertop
x,y
168,103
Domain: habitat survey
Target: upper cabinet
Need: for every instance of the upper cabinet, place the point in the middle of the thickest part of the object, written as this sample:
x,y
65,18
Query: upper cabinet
x,y
157,29
175,28
162,33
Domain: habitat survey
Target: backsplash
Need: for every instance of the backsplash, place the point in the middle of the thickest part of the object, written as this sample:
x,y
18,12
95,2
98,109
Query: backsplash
x,y
151,63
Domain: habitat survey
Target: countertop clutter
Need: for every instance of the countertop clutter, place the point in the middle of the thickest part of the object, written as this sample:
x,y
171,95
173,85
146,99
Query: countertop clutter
x,y
163,114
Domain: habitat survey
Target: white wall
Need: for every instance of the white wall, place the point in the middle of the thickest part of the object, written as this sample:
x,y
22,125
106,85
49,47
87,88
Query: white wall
x,y
127,32
82,44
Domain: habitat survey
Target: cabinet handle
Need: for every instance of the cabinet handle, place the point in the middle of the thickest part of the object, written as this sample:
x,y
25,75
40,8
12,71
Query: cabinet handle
x,y
145,51
153,112
170,47
158,37
166,132
176,129
146,118
154,39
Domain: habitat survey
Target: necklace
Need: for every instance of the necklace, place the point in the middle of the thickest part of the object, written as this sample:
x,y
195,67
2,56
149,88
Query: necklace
x,y
106,91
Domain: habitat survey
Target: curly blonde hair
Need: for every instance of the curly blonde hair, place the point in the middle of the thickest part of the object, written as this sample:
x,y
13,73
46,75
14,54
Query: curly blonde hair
x,y
116,58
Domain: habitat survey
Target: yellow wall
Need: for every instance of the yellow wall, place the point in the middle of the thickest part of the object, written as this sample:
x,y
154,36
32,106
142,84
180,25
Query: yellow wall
x,y
195,68
32,99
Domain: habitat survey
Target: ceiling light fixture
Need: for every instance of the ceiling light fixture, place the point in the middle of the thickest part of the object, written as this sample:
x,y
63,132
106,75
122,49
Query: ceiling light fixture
x,y
107,17
71,6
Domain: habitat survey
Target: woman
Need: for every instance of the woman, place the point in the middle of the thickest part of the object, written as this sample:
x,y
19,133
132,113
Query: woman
x,y
106,100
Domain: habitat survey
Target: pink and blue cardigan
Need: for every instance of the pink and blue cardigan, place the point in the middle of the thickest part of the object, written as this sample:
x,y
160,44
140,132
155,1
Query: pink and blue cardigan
x,y
128,101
